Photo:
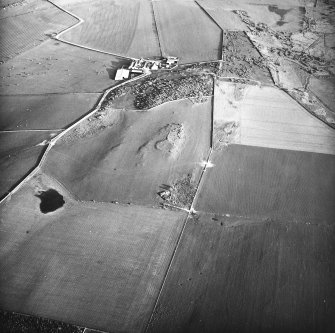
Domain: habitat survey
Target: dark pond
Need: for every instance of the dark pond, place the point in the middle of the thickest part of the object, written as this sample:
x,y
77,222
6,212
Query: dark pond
x,y
282,13
51,200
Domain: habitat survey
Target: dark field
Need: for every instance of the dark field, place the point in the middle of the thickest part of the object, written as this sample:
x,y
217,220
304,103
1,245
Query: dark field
x,y
50,111
13,323
284,184
249,275
19,153
93,265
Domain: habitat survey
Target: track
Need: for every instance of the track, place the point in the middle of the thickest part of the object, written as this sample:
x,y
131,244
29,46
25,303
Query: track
x,y
81,21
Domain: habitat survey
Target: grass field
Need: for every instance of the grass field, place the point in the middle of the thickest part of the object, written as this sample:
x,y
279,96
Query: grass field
x,y
268,117
254,181
324,90
249,275
55,67
186,31
225,18
24,30
123,27
284,15
93,265
19,153
129,157
51,111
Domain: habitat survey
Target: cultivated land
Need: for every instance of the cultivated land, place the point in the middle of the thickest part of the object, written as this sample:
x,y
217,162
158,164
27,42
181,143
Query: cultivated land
x,y
166,209
249,275
256,181
55,67
267,117
19,153
122,27
92,264
45,111
193,37
128,156
28,24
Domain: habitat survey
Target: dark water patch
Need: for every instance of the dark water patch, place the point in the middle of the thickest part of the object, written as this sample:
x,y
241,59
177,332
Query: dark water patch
x,y
51,200
279,11
282,13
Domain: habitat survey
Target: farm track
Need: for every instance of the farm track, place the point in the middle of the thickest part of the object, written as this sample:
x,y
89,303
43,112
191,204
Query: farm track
x,y
156,27
53,141
23,33
81,21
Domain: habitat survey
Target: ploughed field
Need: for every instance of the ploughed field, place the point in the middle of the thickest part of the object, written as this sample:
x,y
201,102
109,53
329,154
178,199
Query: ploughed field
x,y
55,67
93,264
123,27
185,30
29,24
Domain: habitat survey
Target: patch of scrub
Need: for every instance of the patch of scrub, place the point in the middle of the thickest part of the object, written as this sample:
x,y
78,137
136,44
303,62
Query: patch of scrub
x,y
225,134
169,140
181,193
51,200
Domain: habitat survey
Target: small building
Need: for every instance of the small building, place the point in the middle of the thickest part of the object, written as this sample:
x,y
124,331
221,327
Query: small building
x,y
122,74
172,61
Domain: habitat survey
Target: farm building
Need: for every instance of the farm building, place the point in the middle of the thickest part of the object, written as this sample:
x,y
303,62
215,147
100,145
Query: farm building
x,y
140,66
122,74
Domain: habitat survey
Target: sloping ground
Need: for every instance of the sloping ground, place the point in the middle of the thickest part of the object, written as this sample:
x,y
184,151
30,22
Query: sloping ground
x,y
127,156
282,184
249,275
23,31
51,111
55,67
93,265
19,153
267,117
122,27
186,31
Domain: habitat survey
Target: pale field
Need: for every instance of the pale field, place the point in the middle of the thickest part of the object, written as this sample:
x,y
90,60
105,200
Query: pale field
x,y
121,27
26,26
54,67
278,15
268,117
270,183
324,89
249,275
94,265
226,19
186,31
47,111
122,162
